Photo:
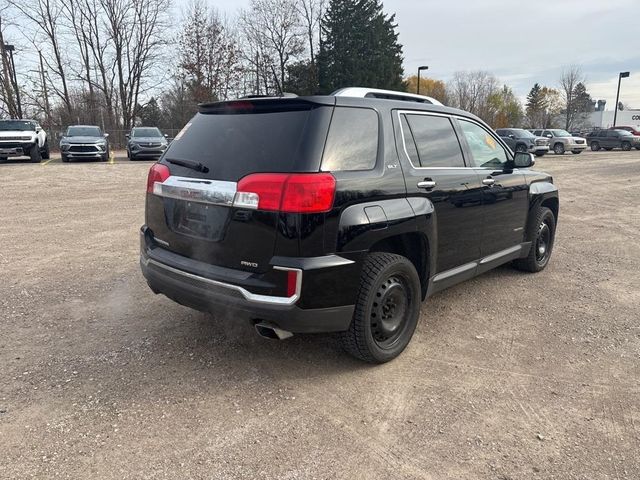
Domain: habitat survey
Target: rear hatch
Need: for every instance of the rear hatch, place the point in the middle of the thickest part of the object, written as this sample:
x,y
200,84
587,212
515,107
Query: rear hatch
x,y
192,214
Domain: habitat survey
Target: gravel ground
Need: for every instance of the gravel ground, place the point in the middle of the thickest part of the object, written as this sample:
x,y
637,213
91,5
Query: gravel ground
x,y
509,376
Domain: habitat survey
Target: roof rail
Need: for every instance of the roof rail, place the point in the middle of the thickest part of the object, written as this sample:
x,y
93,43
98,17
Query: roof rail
x,y
361,92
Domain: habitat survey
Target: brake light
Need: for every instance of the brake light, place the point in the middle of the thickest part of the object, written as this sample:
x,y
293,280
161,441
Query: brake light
x,y
157,173
289,193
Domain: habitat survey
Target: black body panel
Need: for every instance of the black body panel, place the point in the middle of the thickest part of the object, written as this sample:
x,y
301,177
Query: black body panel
x,y
456,229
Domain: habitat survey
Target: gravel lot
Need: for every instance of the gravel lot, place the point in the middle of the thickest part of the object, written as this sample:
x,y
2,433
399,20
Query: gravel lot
x,y
509,376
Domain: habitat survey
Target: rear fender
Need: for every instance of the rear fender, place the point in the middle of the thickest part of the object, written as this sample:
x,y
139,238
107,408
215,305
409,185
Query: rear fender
x,y
366,224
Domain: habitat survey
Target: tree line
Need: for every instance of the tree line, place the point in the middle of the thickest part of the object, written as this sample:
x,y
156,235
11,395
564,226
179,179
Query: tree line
x,y
117,63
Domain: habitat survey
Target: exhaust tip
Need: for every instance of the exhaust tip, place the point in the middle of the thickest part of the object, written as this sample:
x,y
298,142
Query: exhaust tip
x,y
272,332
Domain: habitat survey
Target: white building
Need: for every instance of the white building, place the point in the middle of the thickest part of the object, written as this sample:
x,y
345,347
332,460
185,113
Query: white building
x,y
626,118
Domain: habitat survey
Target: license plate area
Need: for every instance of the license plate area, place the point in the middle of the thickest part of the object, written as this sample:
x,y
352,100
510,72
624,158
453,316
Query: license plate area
x,y
197,220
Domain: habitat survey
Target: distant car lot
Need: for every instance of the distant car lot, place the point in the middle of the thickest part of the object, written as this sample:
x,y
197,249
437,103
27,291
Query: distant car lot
x,y
508,376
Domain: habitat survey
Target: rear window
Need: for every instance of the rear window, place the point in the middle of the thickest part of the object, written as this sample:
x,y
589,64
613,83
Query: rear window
x,y
352,143
233,145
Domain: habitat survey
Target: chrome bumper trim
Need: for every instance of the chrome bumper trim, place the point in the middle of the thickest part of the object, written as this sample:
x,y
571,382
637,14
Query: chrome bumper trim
x,y
252,297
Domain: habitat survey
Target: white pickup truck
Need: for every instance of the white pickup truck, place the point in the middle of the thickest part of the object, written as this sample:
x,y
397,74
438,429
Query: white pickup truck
x,y
23,138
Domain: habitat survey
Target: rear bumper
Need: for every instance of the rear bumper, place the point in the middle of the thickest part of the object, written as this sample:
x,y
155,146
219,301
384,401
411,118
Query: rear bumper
x,y
184,286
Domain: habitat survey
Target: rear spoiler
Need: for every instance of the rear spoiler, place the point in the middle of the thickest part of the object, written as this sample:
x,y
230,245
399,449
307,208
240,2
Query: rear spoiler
x,y
265,105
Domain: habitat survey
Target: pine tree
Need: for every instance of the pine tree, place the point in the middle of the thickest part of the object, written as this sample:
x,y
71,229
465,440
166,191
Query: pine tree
x,y
535,106
359,47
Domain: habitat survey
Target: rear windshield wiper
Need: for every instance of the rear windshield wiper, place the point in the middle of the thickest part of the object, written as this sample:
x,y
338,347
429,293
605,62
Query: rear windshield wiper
x,y
197,166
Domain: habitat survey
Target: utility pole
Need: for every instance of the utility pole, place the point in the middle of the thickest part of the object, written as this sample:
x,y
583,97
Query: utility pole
x,y
47,111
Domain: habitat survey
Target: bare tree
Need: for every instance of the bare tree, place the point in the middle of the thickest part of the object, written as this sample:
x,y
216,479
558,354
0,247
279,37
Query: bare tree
x,y
471,91
571,76
273,32
135,29
311,12
46,17
209,55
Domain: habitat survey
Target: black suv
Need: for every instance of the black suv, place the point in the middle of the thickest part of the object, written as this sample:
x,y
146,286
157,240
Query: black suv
x,y
338,213
613,138
521,140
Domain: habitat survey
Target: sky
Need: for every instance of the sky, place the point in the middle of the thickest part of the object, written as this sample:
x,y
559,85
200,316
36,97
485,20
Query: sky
x,y
521,42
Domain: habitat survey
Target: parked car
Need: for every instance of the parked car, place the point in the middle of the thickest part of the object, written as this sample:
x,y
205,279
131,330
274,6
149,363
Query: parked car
x,y
561,141
84,142
520,140
631,130
146,142
20,138
610,139
339,213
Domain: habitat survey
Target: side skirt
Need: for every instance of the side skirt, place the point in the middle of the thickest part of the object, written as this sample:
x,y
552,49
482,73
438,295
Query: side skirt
x,y
451,277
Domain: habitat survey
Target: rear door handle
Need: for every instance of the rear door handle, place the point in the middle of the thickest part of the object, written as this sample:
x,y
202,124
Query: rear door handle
x,y
427,183
488,181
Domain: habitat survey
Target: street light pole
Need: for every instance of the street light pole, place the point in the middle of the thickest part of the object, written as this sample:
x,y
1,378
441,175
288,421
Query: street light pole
x,y
10,49
615,112
425,67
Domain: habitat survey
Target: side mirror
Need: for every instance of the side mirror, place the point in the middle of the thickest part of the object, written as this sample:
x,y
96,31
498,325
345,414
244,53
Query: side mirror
x,y
166,135
523,160
548,135
106,135
38,129
511,135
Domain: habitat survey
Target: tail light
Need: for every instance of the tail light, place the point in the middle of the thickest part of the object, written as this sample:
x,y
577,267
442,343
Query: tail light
x,y
157,173
289,193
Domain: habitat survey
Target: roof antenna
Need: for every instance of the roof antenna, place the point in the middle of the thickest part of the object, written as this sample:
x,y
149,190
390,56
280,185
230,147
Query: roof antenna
x,y
277,81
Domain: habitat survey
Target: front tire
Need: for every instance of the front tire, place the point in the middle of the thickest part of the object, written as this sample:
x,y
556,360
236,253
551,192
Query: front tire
x,y
558,149
387,309
34,154
46,153
626,146
595,146
542,232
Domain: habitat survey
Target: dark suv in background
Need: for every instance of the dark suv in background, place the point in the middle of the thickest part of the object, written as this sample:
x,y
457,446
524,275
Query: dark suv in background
x,y
610,139
520,140
146,143
339,213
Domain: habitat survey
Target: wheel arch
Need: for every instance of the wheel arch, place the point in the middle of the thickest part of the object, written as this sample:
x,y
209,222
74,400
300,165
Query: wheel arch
x,y
415,247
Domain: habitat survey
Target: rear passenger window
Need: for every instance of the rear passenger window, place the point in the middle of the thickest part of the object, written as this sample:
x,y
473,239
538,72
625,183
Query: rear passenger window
x,y
352,143
436,141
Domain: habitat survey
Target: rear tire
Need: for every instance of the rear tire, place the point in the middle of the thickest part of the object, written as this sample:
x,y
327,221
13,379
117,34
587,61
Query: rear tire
x,y
387,309
626,146
595,146
558,149
542,232
34,154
